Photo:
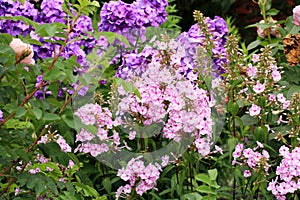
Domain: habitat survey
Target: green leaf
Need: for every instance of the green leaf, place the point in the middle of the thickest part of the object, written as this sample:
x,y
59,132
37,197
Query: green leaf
x,y
50,117
203,178
233,107
213,173
191,196
253,45
52,75
51,30
272,12
128,87
37,112
261,133
5,38
111,37
69,121
292,90
53,150
107,184
205,189
87,190
20,18
17,124
91,129
20,112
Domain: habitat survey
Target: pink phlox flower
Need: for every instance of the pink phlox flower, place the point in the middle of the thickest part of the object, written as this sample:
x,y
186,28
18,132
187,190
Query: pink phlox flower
x,y
259,88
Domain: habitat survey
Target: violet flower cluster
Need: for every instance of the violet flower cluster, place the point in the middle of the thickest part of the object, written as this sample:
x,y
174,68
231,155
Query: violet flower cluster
x,y
131,20
288,173
140,177
50,11
194,38
11,8
255,159
136,62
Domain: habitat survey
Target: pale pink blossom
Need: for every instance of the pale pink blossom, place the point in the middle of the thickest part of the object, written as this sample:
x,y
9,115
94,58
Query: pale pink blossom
x,y
24,52
247,173
252,70
296,15
276,75
254,110
255,58
259,88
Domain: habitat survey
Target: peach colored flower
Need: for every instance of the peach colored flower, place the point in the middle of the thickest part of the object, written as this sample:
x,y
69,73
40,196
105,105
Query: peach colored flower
x,y
24,52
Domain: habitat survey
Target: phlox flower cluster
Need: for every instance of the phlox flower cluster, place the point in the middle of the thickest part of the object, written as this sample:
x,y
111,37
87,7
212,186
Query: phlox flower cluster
x,y
255,160
131,20
136,62
165,91
140,176
50,11
94,114
64,146
194,37
39,164
15,8
288,172
261,80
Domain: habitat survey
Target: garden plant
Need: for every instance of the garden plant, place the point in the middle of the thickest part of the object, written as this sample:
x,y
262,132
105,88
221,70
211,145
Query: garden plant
x,y
113,101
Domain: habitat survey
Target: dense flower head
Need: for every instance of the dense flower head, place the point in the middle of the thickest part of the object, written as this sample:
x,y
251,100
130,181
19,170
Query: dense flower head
x,y
136,62
142,177
165,91
194,38
65,147
288,172
15,8
51,11
254,159
94,114
130,20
